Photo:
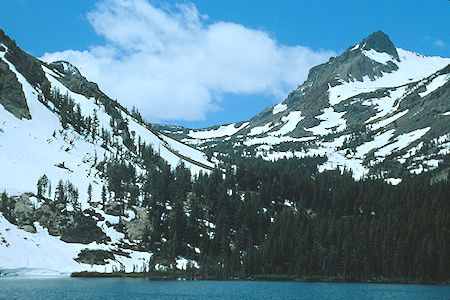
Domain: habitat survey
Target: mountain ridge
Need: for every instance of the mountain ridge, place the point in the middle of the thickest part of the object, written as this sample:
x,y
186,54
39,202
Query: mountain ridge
x,y
357,95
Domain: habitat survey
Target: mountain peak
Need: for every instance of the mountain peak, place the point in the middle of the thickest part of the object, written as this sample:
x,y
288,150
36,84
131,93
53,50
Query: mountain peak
x,y
66,68
380,42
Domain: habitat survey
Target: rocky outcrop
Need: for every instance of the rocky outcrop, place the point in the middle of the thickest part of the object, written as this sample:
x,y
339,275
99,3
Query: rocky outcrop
x,y
94,257
25,213
380,42
27,65
11,93
67,68
113,208
72,226
137,228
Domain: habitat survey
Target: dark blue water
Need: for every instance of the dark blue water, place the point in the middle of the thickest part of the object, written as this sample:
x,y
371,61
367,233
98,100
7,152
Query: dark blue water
x,y
115,288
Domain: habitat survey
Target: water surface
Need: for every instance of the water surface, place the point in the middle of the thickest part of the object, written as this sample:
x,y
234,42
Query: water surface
x,y
123,288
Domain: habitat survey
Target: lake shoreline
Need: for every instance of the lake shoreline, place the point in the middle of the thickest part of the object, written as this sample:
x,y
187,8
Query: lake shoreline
x,y
141,288
186,277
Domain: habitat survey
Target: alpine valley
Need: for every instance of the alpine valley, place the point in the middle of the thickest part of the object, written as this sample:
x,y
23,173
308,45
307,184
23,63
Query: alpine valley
x,y
346,179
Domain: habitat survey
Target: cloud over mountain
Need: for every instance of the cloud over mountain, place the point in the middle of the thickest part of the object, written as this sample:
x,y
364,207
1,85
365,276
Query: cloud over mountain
x,y
173,64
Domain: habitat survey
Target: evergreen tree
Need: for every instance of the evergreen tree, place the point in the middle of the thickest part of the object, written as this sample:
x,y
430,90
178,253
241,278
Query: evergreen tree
x,y
42,185
89,192
103,197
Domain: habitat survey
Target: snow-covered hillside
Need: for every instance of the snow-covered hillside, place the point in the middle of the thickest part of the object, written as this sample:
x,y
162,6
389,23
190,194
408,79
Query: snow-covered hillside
x,y
31,148
41,145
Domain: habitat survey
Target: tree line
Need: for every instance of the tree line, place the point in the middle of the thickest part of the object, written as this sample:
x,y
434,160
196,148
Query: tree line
x,y
253,217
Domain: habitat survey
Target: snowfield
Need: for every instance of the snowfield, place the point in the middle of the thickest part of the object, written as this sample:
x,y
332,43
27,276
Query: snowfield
x,y
412,67
382,58
31,148
435,84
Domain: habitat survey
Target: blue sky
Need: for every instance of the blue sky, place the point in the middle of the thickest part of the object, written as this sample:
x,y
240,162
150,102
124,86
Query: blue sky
x,y
210,62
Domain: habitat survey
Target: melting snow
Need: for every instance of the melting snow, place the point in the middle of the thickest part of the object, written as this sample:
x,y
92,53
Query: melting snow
x,y
379,141
435,84
388,121
43,254
355,47
385,105
279,108
402,141
274,140
224,130
331,122
291,121
261,129
380,57
393,181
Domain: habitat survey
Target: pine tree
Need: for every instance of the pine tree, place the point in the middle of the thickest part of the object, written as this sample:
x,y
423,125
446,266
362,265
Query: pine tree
x,y
103,197
4,199
89,191
60,195
49,190
42,186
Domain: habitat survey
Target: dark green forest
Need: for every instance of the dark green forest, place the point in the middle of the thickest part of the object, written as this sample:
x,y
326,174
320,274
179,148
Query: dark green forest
x,y
276,220
255,218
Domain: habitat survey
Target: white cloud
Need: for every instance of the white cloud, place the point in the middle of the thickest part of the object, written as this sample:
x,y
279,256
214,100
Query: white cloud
x,y
439,43
172,65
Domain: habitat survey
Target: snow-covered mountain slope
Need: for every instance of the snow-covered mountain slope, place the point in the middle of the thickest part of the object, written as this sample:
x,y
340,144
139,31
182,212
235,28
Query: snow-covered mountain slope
x,y
43,143
375,109
54,122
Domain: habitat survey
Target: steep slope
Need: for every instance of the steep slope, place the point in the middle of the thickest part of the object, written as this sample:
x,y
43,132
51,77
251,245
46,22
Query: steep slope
x,y
32,130
375,109
54,122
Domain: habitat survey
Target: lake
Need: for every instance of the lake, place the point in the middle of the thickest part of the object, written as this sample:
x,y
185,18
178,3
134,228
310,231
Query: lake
x,y
118,288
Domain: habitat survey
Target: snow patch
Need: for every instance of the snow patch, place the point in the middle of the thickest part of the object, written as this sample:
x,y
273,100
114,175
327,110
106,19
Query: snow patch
x,y
436,83
393,181
274,140
380,57
224,130
385,105
261,129
387,121
355,47
291,121
402,141
279,108
331,122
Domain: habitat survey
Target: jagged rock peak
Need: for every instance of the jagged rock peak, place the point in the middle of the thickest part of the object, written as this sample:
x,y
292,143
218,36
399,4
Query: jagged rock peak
x,y
66,68
380,42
